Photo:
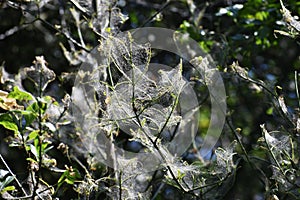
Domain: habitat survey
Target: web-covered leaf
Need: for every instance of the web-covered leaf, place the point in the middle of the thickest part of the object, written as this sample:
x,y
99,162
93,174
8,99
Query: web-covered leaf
x,y
184,173
207,73
135,99
39,74
105,15
284,109
291,22
278,143
153,101
280,177
289,19
282,152
121,54
225,162
133,182
240,71
172,81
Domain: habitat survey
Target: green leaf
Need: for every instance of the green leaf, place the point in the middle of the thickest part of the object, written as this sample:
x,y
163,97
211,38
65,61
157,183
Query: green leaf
x,y
7,121
69,176
36,106
262,15
20,95
8,188
70,181
48,99
29,116
33,135
270,111
62,177
31,160
5,182
180,175
33,107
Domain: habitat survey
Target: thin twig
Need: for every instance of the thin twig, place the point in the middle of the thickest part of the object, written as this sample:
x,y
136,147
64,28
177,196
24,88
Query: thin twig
x,y
18,198
211,184
120,186
7,167
158,190
274,97
64,34
12,31
297,89
252,165
166,4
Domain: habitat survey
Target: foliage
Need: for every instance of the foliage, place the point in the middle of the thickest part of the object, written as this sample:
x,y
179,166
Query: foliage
x,y
61,150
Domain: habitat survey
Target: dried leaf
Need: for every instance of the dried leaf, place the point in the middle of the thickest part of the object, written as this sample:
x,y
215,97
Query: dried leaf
x,y
298,125
289,19
5,76
7,103
282,105
273,197
242,72
39,74
225,162
278,144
